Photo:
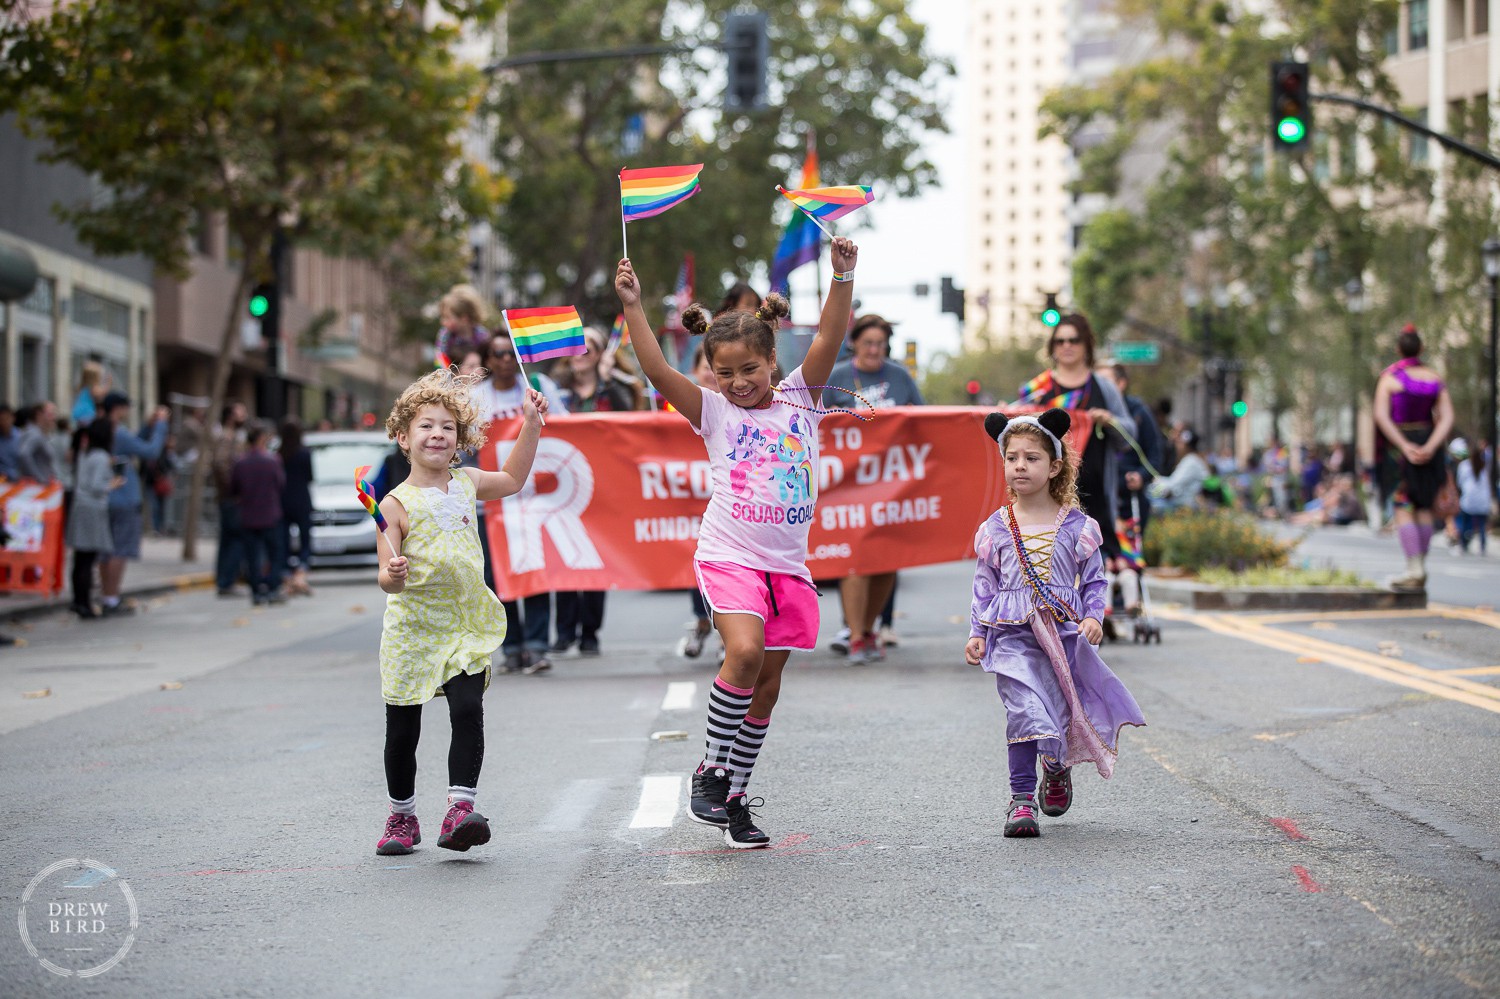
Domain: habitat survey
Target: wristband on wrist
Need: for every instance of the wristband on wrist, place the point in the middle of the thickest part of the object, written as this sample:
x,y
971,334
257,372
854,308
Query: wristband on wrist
x,y
846,276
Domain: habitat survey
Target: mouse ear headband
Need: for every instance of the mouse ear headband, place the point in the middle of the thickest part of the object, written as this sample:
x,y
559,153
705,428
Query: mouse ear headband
x,y
1054,423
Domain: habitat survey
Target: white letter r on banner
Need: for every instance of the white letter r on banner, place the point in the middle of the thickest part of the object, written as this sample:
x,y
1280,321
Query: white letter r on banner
x,y
526,513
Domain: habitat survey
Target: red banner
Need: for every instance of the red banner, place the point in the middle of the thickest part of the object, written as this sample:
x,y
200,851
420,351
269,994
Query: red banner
x,y
614,500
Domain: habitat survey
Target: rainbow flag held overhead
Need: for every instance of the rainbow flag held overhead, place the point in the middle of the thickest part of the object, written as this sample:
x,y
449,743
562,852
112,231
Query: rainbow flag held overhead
x,y
650,191
830,203
542,333
362,483
619,334
803,240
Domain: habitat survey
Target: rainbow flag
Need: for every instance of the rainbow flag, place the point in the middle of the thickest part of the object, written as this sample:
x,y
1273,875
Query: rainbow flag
x,y
619,334
367,495
830,203
1130,543
1039,391
652,190
542,333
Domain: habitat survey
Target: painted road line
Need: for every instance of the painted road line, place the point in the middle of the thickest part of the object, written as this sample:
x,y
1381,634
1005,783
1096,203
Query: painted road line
x,y
573,805
1377,667
680,695
658,806
1480,615
1475,671
1323,647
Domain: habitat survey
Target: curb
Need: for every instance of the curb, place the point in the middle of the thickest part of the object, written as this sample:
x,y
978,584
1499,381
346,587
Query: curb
x,y
163,587
1203,597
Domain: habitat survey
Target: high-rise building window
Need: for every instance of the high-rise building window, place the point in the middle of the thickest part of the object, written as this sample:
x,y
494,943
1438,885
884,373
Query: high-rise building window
x,y
1416,24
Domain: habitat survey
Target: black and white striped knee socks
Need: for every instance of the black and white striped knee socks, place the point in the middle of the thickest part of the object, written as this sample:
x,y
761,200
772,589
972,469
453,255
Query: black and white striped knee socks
x,y
744,751
727,707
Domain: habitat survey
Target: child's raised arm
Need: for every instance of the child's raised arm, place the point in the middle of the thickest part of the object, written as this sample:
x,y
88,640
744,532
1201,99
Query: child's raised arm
x,y
679,390
509,480
834,323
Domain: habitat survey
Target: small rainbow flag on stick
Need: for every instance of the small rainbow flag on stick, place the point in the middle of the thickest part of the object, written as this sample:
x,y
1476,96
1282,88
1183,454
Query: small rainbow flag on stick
x,y
540,334
619,335
367,497
649,191
828,204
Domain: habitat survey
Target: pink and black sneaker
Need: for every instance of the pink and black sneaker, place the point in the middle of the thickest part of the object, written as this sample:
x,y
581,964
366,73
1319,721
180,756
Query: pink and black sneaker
x,y
463,827
1057,791
1020,817
401,834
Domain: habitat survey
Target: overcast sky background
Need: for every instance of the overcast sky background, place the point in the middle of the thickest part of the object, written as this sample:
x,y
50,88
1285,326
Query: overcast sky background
x,y
910,240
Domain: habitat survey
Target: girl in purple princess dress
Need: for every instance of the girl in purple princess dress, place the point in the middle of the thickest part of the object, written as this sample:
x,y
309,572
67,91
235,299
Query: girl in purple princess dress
x,y
1039,599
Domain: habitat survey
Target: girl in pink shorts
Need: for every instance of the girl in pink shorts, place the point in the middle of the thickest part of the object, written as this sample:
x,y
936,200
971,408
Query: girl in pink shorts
x,y
762,443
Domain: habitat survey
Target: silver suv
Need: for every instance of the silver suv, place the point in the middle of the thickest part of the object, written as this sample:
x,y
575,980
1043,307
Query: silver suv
x,y
343,533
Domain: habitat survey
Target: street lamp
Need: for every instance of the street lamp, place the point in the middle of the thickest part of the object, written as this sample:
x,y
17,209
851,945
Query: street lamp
x,y
1354,301
1491,254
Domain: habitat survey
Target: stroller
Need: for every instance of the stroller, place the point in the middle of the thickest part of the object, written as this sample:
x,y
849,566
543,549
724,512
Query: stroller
x,y
1144,628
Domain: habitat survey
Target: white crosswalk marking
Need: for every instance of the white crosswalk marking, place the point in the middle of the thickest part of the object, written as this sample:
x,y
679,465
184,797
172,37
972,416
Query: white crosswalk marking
x,y
680,694
659,797
573,805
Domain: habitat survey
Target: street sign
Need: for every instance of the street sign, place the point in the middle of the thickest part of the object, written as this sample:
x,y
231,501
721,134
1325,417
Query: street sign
x,y
1143,352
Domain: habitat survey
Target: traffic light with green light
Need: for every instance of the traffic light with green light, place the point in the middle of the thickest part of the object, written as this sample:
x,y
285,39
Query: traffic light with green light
x,y
260,301
1291,110
1051,314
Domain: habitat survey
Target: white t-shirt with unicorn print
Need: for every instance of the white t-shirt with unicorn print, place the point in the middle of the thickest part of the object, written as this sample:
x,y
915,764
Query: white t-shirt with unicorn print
x,y
765,476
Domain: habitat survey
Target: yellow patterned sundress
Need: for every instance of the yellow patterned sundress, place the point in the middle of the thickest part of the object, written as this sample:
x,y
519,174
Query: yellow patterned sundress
x,y
446,621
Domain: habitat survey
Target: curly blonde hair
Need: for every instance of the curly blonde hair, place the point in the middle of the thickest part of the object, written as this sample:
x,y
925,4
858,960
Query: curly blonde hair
x,y
443,387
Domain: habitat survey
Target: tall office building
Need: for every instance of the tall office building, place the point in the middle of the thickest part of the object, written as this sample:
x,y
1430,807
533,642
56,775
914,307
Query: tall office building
x,y
1020,236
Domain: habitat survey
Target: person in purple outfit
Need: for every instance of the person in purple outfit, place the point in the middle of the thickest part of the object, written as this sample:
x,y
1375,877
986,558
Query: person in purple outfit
x,y
255,484
1037,629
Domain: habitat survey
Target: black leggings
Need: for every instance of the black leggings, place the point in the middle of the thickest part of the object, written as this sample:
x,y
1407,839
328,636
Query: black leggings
x,y
83,576
403,728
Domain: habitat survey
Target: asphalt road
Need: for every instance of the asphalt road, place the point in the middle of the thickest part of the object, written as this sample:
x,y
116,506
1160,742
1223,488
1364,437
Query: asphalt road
x,y
1307,820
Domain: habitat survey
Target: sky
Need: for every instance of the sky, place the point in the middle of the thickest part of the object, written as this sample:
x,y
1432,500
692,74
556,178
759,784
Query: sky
x,y
907,241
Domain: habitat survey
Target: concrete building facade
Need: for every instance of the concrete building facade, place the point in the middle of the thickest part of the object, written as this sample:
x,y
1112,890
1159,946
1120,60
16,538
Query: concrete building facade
x,y
1021,239
84,307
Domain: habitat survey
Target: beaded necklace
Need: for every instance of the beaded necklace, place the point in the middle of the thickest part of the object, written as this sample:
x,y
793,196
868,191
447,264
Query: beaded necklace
x,y
826,412
1038,586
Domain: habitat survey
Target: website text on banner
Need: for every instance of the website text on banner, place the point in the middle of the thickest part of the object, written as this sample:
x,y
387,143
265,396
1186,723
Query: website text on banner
x,y
615,500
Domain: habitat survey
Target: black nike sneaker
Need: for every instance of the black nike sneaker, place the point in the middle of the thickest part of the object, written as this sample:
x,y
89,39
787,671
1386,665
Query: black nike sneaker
x,y
742,833
710,788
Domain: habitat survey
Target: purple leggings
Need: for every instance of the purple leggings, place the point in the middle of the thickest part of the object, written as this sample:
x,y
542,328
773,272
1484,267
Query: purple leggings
x,y
1023,767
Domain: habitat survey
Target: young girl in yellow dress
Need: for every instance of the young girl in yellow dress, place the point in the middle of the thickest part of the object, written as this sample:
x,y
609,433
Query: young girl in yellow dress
x,y
442,623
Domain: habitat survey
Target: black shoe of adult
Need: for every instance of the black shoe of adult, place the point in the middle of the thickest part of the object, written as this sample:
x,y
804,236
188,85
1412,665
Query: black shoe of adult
x,y
513,662
85,611
588,647
741,833
710,788
561,646
536,662
121,609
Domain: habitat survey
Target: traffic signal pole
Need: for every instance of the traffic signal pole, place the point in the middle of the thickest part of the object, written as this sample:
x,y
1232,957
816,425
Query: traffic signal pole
x,y
1448,141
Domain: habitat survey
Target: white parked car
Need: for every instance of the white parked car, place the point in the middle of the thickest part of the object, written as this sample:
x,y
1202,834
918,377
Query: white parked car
x,y
343,532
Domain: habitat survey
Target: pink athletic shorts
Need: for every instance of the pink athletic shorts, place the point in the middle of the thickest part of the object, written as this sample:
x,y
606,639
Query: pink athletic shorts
x,y
787,604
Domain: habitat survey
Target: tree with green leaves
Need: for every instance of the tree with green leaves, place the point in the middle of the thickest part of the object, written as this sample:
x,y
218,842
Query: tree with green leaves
x,y
1279,235
861,76
333,121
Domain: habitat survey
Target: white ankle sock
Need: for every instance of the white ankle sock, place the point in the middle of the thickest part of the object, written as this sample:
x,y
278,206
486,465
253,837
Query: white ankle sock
x,y
407,807
457,794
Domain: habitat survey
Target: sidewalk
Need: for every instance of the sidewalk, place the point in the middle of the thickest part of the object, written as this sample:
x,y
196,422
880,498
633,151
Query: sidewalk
x,y
159,570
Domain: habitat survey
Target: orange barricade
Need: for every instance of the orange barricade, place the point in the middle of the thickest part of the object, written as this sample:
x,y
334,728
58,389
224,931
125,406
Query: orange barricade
x,y
32,561
614,500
